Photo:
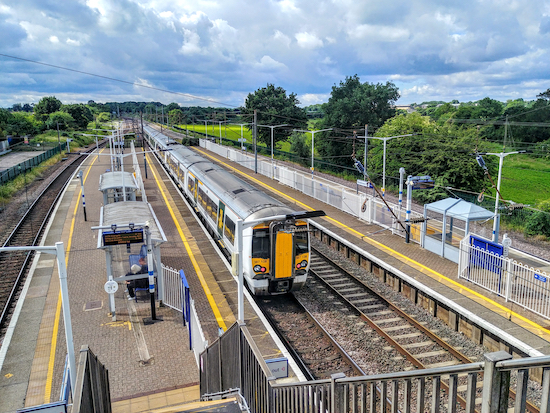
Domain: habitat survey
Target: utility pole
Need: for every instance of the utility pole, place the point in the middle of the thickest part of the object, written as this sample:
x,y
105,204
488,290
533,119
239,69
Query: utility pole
x,y
384,159
255,132
366,147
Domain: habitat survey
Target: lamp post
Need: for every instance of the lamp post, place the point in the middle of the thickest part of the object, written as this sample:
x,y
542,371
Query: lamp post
x,y
242,138
481,163
384,158
59,252
313,132
272,128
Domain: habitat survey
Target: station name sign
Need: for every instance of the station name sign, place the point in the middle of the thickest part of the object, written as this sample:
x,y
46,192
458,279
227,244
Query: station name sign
x,y
421,182
123,237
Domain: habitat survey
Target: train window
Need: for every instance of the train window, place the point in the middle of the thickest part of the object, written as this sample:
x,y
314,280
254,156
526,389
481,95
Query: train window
x,y
214,211
261,243
230,229
191,183
300,242
202,198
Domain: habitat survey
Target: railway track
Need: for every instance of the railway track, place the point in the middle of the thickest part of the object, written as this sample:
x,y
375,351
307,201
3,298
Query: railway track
x,y
420,346
316,352
28,231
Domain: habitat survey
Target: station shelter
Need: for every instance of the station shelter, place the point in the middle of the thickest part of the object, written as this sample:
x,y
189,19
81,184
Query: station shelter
x,y
128,231
447,222
118,186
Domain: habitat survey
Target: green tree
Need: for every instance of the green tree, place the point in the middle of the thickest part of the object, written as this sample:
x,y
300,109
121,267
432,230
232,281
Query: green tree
x,y
300,148
45,106
487,108
80,113
5,117
104,117
352,105
171,107
443,151
274,107
175,116
539,222
21,123
64,119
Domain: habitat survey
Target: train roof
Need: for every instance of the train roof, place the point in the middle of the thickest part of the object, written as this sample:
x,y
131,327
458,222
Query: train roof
x,y
241,197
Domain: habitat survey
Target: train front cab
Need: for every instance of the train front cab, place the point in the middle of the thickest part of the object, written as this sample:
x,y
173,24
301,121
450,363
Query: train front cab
x,y
280,256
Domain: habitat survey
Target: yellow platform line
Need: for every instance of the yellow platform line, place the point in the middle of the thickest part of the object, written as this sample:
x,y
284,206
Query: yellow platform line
x,y
196,266
487,302
49,376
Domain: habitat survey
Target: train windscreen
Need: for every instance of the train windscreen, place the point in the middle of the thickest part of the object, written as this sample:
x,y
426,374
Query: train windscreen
x,y
300,243
261,244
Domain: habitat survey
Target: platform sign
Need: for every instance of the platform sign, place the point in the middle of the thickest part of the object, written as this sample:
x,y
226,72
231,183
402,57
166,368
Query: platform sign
x,y
278,367
366,184
123,237
540,278
422,182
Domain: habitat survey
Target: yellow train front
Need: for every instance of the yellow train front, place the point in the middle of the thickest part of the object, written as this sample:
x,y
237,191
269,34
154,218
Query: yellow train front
x,y
276,250
278,258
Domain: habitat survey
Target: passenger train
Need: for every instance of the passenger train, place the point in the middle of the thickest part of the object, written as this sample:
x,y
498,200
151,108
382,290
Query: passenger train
x,y
276,252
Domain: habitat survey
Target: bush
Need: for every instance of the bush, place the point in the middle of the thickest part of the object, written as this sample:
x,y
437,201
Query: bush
x,y
539,222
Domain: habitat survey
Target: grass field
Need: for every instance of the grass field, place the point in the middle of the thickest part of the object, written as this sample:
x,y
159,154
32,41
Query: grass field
x,y
525,180
232,132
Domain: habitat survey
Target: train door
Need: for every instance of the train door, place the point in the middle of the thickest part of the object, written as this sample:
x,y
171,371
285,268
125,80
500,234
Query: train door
x,y
283,252
221,213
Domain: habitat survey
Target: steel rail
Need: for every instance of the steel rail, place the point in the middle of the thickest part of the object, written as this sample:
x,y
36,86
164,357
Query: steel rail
x,y
454,352
36,237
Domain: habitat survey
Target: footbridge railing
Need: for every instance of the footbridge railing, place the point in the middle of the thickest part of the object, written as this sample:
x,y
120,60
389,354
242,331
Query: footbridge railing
x,y
234,362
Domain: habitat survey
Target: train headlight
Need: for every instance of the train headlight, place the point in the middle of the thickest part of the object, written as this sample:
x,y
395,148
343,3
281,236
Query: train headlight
x,y
257,268
302,264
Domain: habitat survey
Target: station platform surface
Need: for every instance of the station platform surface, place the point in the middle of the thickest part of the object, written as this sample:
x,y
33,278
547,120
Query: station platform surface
x,y
10,159
439,274
150,366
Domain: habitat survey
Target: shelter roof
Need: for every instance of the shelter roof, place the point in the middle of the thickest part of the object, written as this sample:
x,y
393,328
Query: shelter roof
x,y
124,213
115,179
460,209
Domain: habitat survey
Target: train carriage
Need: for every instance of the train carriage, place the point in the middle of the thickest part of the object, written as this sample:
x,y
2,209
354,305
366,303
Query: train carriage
x,y
275,253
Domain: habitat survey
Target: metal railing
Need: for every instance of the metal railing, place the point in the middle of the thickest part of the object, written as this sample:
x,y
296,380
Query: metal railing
x,y
10,173
526,286
91,393
177,296
233,361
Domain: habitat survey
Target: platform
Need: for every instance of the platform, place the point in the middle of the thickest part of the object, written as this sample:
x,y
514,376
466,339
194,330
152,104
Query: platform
x,y
12,158
147,364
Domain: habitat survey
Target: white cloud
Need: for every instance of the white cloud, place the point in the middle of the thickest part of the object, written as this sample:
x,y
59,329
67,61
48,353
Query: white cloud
x,y
313,98
191,43
267,63
288,6
282,38
308,41
432,50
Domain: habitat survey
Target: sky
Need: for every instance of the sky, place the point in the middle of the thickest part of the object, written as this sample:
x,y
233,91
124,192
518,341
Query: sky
x,y
214,53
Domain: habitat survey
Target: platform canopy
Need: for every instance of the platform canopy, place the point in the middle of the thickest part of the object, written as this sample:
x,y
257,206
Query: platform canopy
x,y
122,214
